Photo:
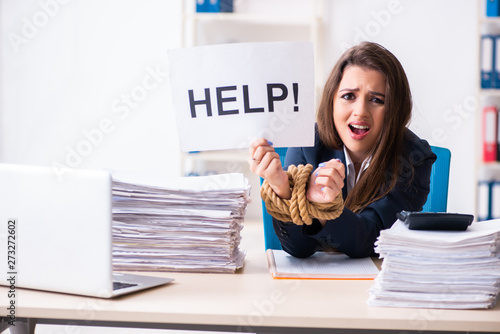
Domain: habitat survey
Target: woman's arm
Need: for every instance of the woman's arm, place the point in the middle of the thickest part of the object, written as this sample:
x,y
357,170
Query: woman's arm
x,y
265,162
355,234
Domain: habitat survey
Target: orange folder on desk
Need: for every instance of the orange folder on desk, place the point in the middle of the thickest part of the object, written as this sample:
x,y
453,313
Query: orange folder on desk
x,y
321,265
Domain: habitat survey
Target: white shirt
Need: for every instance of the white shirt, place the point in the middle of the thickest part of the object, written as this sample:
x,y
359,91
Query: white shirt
x,y
351,177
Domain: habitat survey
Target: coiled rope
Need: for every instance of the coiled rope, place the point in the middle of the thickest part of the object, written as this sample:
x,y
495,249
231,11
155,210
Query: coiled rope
x,y
298,209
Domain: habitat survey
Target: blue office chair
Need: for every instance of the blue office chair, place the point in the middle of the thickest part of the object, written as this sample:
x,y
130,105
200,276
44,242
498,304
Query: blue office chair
x,y
271,241
437,200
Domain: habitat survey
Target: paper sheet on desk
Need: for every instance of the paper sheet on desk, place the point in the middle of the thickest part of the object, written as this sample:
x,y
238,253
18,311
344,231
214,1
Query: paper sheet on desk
x,y
149,184
189,224
438,269
321,265
479,239
226,96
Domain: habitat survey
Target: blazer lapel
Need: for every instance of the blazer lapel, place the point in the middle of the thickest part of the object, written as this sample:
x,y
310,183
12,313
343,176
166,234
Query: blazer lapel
x,y
344,188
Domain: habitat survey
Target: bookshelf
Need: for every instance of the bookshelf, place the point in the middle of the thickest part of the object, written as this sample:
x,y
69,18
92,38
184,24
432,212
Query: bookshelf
x,y
251,21
488,170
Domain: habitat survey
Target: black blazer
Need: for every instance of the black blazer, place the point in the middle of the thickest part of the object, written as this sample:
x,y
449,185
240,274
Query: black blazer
x,y
351,233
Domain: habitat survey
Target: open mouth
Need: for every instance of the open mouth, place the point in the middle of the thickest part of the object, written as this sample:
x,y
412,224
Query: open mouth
x,y
359,129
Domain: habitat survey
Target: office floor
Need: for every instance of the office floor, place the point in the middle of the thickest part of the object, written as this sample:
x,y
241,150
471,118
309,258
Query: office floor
x,y
252,241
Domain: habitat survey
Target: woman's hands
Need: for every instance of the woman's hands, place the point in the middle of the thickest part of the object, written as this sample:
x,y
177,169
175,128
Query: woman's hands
x,y
265,162
326,182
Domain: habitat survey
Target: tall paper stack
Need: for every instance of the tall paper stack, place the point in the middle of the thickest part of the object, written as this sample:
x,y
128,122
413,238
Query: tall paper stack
x,y
438,269
189,224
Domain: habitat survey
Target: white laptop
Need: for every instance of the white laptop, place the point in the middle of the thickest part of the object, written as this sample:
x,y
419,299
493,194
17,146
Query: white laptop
x,y
56,233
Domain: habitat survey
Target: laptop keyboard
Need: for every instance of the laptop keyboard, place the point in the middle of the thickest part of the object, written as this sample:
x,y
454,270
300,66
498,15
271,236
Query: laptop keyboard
x,y
122,285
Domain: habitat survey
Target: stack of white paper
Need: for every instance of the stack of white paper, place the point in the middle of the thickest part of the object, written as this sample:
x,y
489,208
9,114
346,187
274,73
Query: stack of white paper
x,y
438,269
189,224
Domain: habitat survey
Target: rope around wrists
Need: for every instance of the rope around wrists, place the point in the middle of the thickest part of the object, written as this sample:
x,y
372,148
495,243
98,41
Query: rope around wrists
x,y
298,209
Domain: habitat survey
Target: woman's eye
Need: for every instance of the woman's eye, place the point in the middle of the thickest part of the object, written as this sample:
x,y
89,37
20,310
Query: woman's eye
x,y
377,100
348,96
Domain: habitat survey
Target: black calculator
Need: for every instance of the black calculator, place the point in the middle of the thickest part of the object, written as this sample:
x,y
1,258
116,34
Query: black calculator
x,y
435,221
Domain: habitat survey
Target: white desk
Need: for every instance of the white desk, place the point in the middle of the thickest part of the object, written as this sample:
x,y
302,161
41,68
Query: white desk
x,y
249,301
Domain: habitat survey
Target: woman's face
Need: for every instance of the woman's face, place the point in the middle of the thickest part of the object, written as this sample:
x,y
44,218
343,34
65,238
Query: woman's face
x,y
358,110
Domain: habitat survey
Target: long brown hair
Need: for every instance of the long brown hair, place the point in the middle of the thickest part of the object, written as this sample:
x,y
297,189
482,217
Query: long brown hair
x,y
373,183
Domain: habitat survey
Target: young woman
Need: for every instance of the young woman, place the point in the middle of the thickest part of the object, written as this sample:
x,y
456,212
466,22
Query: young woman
x,y
363,150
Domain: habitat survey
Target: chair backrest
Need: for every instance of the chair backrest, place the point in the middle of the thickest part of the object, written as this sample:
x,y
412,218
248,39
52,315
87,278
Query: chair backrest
x,y
271,241
437,199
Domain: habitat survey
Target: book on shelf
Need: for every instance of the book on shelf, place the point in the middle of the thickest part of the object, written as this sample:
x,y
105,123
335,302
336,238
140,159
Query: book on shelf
x,y
498,134
495,66
487,60
490,61
492,8
214,6
321,265
490,136
488,199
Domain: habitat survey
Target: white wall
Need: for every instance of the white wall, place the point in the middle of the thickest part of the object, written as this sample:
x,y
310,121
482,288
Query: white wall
x,y
436,41
85,84
70,70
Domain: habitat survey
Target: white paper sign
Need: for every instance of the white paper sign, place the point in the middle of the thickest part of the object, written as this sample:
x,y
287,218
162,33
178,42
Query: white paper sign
x,y
226,96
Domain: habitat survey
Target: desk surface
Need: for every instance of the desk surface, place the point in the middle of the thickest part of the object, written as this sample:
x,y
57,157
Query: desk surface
x,y
248,301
